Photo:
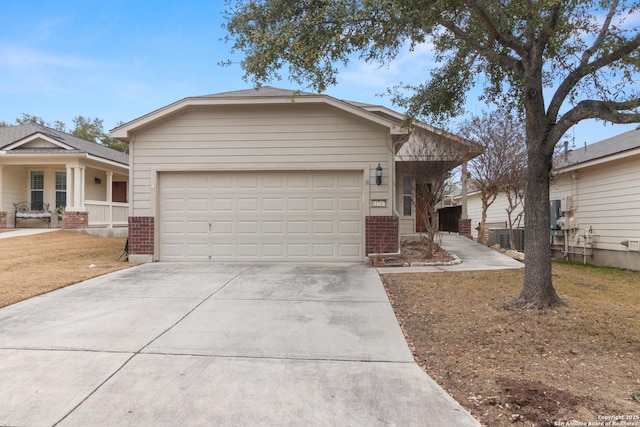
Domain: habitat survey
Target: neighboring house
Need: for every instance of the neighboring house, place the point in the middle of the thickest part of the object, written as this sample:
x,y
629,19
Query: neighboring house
x,y
496,213
272,175
598,196
43,166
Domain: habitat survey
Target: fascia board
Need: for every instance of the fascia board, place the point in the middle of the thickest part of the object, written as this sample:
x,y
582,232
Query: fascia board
x,y
123,132
599,161
107,162
33,137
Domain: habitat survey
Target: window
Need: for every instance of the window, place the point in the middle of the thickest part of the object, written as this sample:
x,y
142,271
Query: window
x,y
37,190
61,189
407,195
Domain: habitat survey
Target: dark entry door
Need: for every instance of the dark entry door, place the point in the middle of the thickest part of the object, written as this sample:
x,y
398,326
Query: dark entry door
x,y
119,192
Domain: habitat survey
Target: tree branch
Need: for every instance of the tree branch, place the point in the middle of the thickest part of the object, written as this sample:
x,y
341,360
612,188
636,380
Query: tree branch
x,y
597,44
550,26
504,38
585,69
614,112
505,61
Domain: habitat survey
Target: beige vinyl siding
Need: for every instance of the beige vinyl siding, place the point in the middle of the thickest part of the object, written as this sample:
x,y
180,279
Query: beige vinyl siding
x,y
14,189
605,197
272,137
495,213
95,191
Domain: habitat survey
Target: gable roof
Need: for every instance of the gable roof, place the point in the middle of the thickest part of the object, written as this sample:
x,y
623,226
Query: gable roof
x,y
66,143
265,95
622,145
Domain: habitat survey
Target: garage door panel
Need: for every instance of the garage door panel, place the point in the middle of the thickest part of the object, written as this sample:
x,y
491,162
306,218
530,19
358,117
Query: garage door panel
x,y
271,216
224,228
273,205
273,227
247,228
327,205
349,227
349,182
350,205
197,227
222,205
298,227
349,250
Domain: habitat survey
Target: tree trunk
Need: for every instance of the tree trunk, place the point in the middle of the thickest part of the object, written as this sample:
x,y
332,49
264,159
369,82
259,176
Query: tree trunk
x,y
537,291
483,222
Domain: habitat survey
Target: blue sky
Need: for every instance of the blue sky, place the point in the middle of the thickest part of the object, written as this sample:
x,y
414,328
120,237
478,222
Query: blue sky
x,y
118,60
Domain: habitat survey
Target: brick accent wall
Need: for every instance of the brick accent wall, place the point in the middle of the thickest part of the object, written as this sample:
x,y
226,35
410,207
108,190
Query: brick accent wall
x,y
3,220
464,227
75,220
141,230
381,234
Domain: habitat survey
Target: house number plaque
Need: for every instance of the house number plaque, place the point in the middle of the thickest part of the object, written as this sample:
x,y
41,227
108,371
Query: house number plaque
x,y
379,203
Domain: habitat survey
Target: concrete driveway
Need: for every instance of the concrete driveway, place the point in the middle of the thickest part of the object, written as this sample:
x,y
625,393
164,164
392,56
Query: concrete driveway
x,y
216,345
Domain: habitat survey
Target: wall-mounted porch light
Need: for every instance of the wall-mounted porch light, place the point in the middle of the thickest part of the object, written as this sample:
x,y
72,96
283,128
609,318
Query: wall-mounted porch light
x,y
379,174
97,180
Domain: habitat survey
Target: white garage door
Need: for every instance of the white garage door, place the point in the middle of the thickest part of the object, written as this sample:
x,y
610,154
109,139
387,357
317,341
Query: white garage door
x,y
261,216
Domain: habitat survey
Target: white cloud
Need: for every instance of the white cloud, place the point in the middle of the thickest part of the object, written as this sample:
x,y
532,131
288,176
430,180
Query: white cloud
x,y
21,58
410,66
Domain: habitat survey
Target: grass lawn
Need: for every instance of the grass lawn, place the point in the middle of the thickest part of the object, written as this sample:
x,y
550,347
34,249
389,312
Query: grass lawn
x,y
527,368
33,265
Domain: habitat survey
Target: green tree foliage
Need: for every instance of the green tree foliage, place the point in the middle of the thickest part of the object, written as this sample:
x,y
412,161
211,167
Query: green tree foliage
x,y
29,118
558,62
92,130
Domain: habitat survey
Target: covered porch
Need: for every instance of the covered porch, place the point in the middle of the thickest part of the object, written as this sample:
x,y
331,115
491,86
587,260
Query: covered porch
x,y
79,193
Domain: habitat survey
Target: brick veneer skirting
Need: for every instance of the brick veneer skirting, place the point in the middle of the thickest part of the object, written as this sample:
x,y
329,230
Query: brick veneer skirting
x,y
381,234
3,220
75,220
141,230
464,227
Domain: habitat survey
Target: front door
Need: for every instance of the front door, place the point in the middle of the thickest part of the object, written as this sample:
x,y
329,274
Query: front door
x,y
119,192
422,192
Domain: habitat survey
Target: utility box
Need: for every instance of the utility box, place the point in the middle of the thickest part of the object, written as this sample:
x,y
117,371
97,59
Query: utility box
x,y
555,209
566,204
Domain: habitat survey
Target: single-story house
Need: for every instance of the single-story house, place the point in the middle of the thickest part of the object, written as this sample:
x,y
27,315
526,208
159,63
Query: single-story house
x,y
596,196
43,170
496,213
268,175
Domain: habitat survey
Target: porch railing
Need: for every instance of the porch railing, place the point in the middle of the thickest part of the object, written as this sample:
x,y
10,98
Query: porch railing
x,y
107,214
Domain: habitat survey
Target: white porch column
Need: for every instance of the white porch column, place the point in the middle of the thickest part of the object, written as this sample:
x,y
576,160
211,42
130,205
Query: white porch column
x,y
110,198
69,201
78,189
1,188
465,214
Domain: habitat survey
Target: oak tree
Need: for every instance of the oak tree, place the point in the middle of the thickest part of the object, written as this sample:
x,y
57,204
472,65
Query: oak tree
x,y
559,62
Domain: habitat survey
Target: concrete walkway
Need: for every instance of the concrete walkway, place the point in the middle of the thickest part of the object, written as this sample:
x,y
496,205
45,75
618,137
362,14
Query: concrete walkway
x,y
474,257
17,232
216,345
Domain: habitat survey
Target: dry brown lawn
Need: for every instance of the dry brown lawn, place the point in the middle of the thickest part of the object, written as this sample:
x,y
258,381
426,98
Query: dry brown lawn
x,y
33,265
527,368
